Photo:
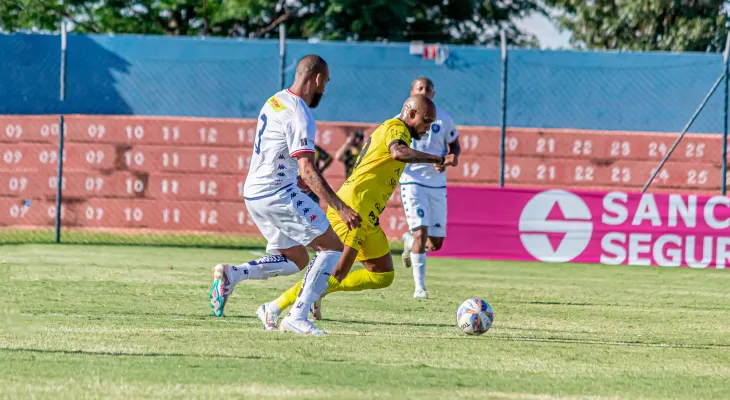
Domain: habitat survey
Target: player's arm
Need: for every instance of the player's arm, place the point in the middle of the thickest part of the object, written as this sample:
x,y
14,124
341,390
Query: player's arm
x,y
300,141
344,266
400,151
314,179
455,149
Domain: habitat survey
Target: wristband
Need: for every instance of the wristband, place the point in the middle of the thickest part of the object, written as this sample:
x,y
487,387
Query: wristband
x,y
443,160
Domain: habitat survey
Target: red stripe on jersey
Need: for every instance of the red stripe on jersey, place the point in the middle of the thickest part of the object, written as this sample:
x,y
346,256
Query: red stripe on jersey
x,y
290,92
298,152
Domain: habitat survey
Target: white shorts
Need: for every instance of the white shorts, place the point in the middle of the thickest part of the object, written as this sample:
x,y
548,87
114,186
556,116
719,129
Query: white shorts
x,y
287,218
425,206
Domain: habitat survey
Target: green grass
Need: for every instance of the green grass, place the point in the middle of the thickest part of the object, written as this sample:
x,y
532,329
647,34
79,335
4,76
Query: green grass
x,y
134,322
140,238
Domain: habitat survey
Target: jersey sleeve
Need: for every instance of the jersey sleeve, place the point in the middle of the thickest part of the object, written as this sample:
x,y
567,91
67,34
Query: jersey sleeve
x,y
396,132
450,134
300,135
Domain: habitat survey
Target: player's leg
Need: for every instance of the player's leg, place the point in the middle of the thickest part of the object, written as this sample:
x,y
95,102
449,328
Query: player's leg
x,y
375,257
418,216
435,237
352,239
414,206
328,254
285,257
434,243
418,261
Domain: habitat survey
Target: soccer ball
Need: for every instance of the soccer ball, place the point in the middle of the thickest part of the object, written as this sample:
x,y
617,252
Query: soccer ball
x,y
474,316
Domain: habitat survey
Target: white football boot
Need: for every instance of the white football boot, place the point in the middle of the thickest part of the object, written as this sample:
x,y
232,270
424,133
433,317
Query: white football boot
x,y
300,326
221,290
269,318
420,294
406,256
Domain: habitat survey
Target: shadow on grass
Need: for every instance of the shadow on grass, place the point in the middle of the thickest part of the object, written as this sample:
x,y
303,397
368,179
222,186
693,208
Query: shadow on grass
x,y
124,354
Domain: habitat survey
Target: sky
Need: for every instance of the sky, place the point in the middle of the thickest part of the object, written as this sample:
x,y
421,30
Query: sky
x,y
546,32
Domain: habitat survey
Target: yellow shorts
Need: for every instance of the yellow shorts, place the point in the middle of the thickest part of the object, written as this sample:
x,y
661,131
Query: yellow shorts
x,y
369,241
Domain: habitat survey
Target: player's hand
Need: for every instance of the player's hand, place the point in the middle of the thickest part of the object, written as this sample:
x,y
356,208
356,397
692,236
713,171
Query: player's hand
x,y
440,168
450,160
350,217
302,185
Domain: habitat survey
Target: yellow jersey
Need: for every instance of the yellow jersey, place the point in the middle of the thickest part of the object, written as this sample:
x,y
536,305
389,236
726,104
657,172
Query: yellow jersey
x,y
376,173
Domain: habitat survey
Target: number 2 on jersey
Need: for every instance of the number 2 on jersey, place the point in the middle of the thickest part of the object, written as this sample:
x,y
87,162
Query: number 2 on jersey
x,y
257,147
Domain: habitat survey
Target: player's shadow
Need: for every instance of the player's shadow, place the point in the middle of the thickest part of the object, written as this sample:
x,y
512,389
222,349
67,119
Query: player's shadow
x,y
415,324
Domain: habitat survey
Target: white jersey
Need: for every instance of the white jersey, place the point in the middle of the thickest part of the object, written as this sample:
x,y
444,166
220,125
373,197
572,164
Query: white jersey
x,y
285,129
436,141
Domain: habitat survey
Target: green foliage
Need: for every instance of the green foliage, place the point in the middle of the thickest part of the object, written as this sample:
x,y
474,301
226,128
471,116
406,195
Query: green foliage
x,y
447,21
686,25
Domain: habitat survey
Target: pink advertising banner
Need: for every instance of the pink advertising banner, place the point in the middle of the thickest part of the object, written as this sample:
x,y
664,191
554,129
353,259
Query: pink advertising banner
x,y
614,228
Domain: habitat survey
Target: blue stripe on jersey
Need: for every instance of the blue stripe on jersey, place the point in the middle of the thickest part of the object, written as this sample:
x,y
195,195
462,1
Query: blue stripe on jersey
x,y
422,185
268,195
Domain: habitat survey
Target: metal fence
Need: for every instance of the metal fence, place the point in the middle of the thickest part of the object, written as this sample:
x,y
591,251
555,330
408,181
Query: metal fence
x,y
80,178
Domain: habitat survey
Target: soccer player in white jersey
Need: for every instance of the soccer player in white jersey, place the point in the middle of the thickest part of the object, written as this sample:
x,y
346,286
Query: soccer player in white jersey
x,y
288,218
423,191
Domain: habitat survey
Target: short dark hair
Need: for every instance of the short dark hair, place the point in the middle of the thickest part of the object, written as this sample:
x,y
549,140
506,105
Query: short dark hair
x,y
428,81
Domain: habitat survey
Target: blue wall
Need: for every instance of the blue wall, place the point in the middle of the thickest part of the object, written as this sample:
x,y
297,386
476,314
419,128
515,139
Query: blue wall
x,y
231,78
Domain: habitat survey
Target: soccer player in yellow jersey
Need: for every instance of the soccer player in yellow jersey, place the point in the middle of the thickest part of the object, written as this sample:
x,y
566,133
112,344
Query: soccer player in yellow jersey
x,y
367,190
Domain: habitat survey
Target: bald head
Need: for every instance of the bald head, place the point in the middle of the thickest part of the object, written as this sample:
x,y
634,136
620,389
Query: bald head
x,y
310,79
423,85
418,113
310,65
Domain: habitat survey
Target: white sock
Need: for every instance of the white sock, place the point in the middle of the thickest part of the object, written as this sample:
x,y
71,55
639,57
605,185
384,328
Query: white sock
x,y
314,282
265,267
418,262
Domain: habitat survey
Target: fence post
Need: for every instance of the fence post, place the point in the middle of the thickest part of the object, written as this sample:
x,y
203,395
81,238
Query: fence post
x,y
724,117
282,55
61,130
503,123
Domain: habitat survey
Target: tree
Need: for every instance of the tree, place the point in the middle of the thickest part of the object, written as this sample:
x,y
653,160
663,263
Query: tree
x,y
174,17
445,21
670,25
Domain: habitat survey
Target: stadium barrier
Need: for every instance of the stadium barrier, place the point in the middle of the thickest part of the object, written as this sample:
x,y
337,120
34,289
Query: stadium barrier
x,y
613,228
183,177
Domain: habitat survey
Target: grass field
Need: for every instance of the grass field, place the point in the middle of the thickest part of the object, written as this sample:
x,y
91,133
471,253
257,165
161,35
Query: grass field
x,y
134,322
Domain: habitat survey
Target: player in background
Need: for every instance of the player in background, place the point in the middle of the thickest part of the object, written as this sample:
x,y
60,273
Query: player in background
x,y
349,151
367,190
423,191
287,218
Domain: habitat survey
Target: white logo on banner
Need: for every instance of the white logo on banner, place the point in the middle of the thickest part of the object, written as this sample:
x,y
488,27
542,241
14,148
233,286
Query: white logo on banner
x,y
555,226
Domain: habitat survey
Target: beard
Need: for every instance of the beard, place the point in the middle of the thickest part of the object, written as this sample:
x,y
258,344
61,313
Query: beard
x,y
316,98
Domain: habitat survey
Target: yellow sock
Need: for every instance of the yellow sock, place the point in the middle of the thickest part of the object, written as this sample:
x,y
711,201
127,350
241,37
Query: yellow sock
x,y
290,296
364,280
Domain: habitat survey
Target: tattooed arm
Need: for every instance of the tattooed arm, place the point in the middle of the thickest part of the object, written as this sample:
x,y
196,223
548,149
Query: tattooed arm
x,y
400,151
313,178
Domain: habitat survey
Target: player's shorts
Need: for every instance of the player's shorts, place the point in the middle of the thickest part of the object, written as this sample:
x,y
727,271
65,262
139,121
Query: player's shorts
x,y
425,206
369,240
287,218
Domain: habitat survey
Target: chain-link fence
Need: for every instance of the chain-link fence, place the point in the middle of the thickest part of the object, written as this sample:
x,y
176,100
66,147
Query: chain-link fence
x,y
174,174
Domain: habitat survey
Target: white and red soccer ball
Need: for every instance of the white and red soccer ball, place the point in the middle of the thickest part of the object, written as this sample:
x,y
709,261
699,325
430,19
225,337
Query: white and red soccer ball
x,y
474,316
